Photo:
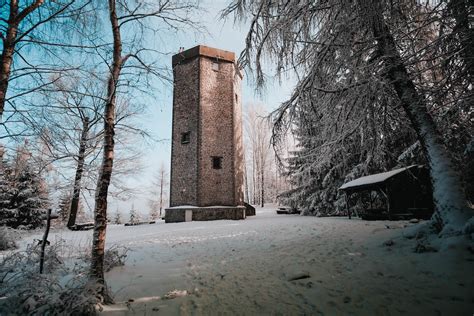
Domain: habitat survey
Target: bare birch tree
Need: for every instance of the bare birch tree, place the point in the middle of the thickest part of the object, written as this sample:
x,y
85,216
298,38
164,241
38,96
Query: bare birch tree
x,y
70,127
158,192
123,14
257,131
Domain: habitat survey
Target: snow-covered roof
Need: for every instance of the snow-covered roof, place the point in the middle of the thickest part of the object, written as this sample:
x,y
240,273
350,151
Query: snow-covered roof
x,y
374,178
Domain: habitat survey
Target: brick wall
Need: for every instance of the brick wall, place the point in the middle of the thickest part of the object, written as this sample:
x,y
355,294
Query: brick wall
x,y
184,167
216,118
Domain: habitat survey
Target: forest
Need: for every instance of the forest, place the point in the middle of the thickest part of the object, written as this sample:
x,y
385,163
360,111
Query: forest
x,y
379,85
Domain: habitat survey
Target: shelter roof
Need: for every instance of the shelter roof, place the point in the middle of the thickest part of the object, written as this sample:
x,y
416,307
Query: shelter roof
x,y
374,180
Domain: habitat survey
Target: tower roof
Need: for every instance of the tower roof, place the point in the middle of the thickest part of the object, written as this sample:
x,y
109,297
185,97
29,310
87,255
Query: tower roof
x,y
206,51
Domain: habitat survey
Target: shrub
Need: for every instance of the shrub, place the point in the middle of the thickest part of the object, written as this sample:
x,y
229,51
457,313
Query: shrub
x,y
7,239
115,257
59,291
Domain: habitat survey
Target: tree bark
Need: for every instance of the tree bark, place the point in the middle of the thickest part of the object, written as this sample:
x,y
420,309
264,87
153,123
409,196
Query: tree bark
x,y
246,183
451,211
262,197
105,173
161,190
9,42
6,59
254,178
79,171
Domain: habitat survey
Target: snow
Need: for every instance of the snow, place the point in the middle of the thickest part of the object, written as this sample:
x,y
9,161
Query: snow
x,y
193,206
282,264
375,178
183,206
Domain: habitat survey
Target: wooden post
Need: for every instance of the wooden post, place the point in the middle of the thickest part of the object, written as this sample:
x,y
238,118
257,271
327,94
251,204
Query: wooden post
x,y
347,204
388,206
371,204
45,239
388,202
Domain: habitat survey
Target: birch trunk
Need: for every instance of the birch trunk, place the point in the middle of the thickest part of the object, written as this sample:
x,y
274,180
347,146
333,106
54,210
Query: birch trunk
x,y
9,42
79,171
6,60
254,178
105,173
451,211
262,198
246,183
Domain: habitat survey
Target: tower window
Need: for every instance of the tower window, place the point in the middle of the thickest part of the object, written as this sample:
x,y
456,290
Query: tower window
x,y
236,98
215,66
216,162
185,137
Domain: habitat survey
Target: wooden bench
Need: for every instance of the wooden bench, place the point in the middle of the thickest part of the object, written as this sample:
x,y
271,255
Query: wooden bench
x,y
83,226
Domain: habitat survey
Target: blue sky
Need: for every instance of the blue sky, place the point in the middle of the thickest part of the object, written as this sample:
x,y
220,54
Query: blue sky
x,y
223,35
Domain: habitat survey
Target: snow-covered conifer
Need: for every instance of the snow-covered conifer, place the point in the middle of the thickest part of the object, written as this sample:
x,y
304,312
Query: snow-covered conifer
x,y
6,192
117,218
134,216
64,206
29,201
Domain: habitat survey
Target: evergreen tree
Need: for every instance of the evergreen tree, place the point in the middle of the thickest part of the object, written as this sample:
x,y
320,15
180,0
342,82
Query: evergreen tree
x,y
134,216
23,196
117,218
316,170
153,214
82,216
64,206
6,192
28,202
360,74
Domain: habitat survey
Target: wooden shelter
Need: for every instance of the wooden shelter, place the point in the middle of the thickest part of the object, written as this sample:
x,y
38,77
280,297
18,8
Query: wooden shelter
x,y
406,191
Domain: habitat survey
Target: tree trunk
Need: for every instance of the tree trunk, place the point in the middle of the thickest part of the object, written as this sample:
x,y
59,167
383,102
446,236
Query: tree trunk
x,y
262,188
452,212
105,173
80,169
6,59
9,43
254,179
246,183
161,192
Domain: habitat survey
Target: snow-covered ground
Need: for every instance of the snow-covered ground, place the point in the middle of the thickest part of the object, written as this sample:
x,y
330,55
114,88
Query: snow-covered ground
x,y
283,264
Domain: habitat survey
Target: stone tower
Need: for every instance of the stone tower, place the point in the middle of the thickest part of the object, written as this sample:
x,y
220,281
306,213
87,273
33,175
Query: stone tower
x,y
207,150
